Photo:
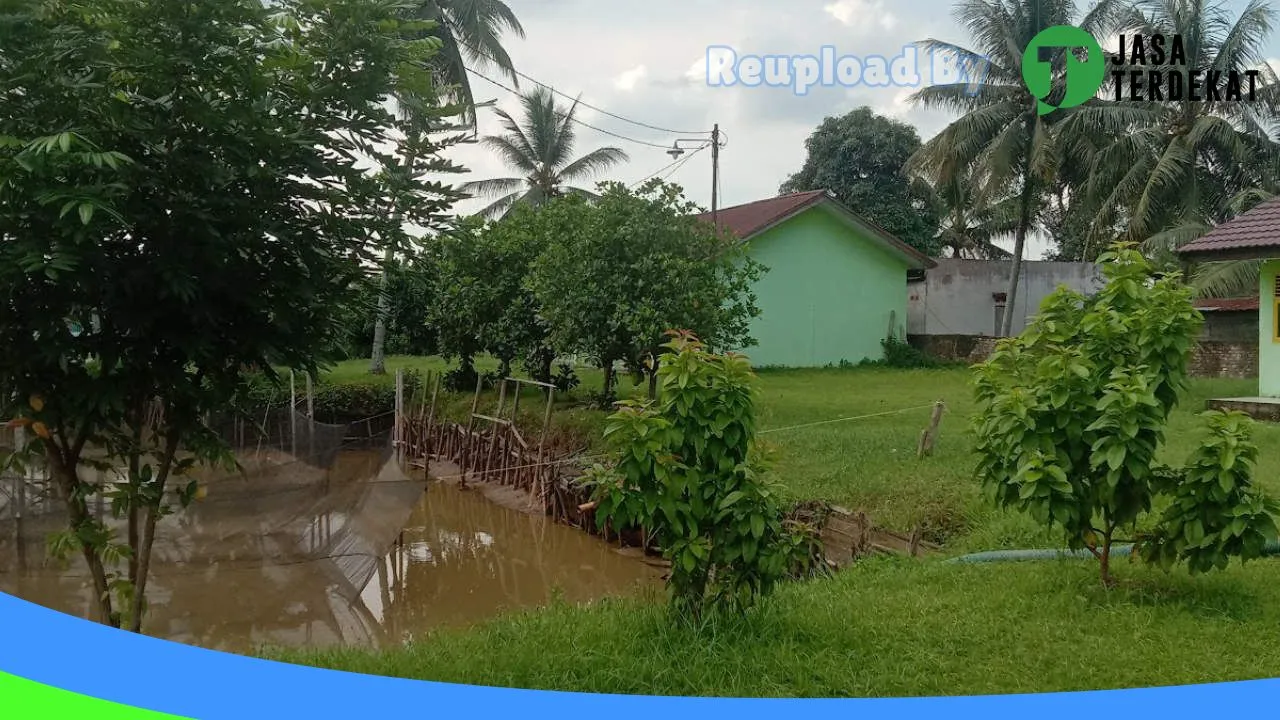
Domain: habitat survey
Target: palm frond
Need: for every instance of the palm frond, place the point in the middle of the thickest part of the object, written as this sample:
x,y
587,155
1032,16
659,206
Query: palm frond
x,y
593,162
1233,278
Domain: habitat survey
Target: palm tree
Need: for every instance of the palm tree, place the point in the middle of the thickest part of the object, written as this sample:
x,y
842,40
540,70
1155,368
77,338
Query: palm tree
x,y
1218,279
1175,165
471,33
1000,130
971,224
541,149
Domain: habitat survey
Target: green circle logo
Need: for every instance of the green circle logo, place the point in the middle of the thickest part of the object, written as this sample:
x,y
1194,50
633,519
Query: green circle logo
x,y
1083,78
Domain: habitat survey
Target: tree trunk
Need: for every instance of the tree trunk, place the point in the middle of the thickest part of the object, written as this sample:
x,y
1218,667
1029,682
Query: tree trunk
x,y
78,516
653,380
378,360
608,379
1019,241
149,536
1104,560
544,365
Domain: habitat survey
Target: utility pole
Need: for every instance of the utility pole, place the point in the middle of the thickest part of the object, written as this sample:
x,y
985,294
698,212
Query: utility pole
x,y
715,176
676,151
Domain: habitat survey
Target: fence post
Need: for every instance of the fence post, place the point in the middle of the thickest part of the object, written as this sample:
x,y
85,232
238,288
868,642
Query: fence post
x,y
311,416
399,414
293,421
541,470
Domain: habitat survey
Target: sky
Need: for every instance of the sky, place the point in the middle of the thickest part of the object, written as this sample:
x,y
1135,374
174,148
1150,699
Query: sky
x,y
646,61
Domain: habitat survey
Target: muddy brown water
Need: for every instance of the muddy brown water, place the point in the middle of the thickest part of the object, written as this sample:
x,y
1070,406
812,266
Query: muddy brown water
x,y
295,565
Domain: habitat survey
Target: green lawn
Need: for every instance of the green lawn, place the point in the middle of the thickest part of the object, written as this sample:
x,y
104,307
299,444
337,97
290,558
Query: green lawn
x,y
892,627
882,628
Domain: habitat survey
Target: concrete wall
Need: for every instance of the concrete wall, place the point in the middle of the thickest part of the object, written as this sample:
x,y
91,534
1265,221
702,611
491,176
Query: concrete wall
x,y
1268,345
829,294
957,297
1214,359
1230,326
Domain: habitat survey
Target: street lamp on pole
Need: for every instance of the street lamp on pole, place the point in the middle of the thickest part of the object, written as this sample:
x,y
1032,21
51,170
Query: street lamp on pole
x,y
716,143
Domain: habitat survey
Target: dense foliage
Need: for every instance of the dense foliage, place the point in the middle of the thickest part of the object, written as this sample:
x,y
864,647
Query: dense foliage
x,y
632,265
1072,414
180,199
483,303
860,157
687,471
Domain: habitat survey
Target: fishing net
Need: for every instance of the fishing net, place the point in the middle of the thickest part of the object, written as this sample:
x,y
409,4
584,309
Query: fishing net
x,y
313,511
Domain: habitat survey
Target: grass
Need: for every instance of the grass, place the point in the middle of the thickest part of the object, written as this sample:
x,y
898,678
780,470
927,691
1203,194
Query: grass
x,y
890,627
882,628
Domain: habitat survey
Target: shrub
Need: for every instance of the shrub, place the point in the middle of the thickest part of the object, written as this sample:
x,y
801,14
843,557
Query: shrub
x,y
688,471
1072,414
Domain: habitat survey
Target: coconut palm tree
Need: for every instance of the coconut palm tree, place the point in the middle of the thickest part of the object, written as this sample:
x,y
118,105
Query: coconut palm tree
x,y
540,147
971,224
1218,279
1174,165
471,33
1000,129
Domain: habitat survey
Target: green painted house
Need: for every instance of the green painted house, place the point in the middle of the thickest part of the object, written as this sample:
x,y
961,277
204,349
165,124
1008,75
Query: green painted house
x,y
836,285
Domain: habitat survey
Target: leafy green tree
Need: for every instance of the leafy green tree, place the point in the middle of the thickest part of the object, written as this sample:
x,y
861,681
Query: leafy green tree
x,y
1000,129
180,200
631,265
688,472
860,157
1072,414
484,304
541,149
470,32
407,296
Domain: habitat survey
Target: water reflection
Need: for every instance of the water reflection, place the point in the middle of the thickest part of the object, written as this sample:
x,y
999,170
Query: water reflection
x,y
463,558
302,560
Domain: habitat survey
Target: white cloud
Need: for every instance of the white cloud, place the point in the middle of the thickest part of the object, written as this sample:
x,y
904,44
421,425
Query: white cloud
x,y
627,80
862,13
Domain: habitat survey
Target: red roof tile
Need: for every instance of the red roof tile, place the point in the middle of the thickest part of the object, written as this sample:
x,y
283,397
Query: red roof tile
x,y
1257,229
1227,304
745,221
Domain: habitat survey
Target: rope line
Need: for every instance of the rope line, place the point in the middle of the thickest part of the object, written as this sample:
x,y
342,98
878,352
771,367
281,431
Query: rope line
x,y
846,419
574,119
602,111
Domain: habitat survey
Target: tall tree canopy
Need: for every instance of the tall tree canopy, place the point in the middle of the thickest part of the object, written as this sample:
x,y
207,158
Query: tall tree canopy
x,y
634,264
471,32
860,158
1000,129
180,198
540,147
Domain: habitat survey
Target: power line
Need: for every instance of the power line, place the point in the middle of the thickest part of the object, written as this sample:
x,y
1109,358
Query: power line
x,y
570,117
673,167
519,74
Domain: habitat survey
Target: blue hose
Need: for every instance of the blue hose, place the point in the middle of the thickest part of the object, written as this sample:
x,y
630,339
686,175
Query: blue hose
x,y
1271,548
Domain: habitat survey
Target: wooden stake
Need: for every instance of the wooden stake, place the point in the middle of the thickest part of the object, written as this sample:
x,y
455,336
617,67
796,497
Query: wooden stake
x,y
467,440
930,434
541,470
431,417
398,432
293,422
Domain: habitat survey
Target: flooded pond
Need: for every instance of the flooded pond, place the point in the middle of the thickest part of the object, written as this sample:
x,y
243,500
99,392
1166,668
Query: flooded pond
x,y
363,554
